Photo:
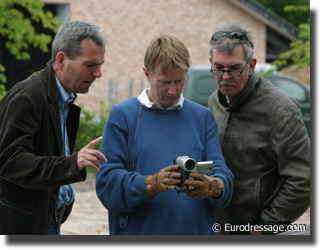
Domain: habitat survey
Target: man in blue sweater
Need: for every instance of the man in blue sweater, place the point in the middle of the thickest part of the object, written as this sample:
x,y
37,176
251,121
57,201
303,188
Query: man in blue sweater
x,y
143,136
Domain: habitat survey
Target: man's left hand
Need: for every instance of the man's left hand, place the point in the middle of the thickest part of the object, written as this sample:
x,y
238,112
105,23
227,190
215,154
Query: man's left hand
x,y
204,186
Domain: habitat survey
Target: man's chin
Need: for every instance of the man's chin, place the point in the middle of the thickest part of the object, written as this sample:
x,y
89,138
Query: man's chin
x,y
83,91
227,89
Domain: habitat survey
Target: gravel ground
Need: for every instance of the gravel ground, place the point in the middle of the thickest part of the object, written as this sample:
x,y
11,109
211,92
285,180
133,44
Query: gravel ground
x,y
90,217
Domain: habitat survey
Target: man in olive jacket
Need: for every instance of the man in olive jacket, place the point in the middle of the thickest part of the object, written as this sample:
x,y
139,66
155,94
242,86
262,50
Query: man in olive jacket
x,y
33,159
263,139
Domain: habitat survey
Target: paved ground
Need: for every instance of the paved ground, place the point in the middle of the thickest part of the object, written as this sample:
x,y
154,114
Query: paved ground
x,y
89,217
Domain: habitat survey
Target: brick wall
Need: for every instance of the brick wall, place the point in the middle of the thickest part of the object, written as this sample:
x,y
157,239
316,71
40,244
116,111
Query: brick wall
x,y
131,25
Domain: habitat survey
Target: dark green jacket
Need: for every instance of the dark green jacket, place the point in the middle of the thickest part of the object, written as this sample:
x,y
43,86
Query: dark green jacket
x,y
32,165
266,146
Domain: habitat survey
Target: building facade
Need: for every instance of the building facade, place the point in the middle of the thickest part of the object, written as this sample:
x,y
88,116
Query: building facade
x,y
130,25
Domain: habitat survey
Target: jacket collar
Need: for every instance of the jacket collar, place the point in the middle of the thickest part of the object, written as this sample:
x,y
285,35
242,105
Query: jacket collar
x,y
53,105
53,92
243,96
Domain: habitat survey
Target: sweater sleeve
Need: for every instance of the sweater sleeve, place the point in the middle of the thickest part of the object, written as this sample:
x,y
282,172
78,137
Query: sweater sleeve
x,y
118,188
220,169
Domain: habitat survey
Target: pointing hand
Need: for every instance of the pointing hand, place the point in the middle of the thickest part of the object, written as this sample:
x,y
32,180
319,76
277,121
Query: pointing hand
x,y
89,157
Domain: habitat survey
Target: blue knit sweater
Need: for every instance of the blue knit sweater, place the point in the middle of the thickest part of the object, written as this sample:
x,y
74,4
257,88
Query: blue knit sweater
x,y
153,139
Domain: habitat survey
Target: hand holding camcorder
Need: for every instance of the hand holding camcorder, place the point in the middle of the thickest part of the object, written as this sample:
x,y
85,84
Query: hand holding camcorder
x,y
187,166
204,186
186,176
166,179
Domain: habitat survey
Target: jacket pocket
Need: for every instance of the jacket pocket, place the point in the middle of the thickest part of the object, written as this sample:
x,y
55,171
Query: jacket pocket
x,y
14,220
275,191
266,191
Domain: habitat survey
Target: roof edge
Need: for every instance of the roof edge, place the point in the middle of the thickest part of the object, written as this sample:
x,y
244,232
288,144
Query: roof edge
x,y
269,18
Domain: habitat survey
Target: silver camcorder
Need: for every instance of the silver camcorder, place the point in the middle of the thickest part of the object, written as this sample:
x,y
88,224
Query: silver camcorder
x,y
188,165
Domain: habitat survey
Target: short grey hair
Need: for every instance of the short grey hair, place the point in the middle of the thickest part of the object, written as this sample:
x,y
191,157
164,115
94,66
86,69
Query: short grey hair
x,y
228,45
70,36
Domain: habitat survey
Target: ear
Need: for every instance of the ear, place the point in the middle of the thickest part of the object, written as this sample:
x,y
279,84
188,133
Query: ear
x,y
60,59
210,60
146,73
252,65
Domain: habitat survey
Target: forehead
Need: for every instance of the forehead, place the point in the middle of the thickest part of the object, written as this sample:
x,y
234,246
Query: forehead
x,y
91,51
236,56
171,74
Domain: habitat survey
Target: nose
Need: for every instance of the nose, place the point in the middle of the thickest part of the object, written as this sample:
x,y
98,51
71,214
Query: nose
x,y
172,89
97,73
226,75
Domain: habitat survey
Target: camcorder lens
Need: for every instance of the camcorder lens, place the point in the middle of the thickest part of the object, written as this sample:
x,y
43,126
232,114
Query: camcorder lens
x,y
190,164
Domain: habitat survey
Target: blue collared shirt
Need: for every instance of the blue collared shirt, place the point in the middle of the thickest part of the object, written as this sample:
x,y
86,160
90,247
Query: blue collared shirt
x,y
67,193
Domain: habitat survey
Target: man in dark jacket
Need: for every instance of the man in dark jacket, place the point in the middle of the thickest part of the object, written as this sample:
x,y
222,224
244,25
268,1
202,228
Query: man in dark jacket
x,y
263,139
38,128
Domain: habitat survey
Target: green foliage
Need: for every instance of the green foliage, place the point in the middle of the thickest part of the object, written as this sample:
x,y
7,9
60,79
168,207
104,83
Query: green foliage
x,y
2,91
91,125
2,79
300,49
296,15
19,31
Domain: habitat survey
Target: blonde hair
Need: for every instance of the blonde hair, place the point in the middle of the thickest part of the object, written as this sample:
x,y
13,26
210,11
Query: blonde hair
x,y
169,52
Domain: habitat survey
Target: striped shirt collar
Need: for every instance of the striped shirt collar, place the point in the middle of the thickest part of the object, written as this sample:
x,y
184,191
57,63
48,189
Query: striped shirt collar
x,y
145,101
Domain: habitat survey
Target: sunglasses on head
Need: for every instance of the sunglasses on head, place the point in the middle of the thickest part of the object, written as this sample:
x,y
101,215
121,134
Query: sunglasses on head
x,y
236,35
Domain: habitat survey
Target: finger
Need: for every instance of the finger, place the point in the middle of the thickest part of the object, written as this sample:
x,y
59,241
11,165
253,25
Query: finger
x,y
89,164
94,167
171,168
94,160
197,176
170,187
173,175
94,143
194,183
90,158
101,156
96,153
170,181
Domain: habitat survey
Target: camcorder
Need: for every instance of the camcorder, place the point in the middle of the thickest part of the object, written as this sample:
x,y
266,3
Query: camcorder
x,y
188,165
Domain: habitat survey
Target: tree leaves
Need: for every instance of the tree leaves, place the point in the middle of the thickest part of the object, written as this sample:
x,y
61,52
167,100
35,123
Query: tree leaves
x,y
19,31
300,49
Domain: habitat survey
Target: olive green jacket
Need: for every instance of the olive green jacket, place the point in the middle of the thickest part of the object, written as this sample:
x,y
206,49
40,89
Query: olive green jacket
x,y
267,147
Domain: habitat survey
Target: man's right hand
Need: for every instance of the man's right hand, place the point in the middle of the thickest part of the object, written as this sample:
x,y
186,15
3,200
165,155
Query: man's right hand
x,y
166,179
89,157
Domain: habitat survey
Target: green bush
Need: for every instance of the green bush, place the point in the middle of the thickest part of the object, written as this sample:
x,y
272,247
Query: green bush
x,y
2,91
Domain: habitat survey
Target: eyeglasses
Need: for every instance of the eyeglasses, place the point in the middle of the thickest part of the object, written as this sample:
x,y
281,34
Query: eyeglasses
x,y
218,72
235,35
